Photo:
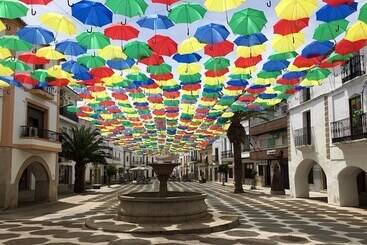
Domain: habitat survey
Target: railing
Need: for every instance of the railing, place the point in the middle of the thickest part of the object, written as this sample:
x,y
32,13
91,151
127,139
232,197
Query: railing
x,y
27,131
353,68
227,154
280,112
303,136
349,129
70,115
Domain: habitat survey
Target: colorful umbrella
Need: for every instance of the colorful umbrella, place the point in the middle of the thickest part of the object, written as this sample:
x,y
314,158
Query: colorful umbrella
x,y
363,13
219,49
91,13
187,58
15,64
93,40
222,5
59,23
155,22
137,50
317,48
120,64
318,74
283,56
285,27
36,35
70,47
31,58
248,21
346,47
91,61
251,40
330,13
129,8
121,32
288,43
12,9
162,45
49,53
357,32
295,9
5,53
190,45
331,30
211,33
14,43
217,63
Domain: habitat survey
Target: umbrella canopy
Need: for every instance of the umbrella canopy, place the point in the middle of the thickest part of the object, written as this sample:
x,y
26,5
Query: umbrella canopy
x,y
211,33
70,47
187,13
49,53
318,74
74,67
5,53
187,58
217,63
337,2
91,61
363,13
283,56
121,32
31,58
14,43
275,65
219,49
36,35
153,59
285,27
120,64
137,50
248,21
91,13
59,23
330,13
155,22
331,30
12,9
162,45
93,40
15,65
295,9
317,48
222,5
345,47
190,45
129,8
288,43
357,32
250,40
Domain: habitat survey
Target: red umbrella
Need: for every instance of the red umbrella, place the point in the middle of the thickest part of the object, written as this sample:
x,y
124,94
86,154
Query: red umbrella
x,y
96,89
86,96
36,2
327,64
171,94
167,2
152,60
33,59
217,73
160,77
191,87
162,45
25,78
345,47
219,49
150,86
107,103
283,81
247,62
121,32
59,82
119,96
101,72
247,98
285,27
155,99
301,61
337,2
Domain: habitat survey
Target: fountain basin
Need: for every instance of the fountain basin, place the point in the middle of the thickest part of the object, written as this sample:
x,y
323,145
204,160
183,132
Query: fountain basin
x,y
174,207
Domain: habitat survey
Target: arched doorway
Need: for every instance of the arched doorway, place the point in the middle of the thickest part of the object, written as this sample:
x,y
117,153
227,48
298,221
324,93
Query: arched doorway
x,y
33,182
352,187
310,176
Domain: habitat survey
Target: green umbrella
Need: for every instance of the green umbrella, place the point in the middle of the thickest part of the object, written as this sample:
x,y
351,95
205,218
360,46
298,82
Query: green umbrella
x,y
14,43
338,57
330,30
72,108
40,75
268,74
91,61
283,56
240,76
217,63
137,77
129,8
363,13
190,79
137,50
15,64
247,21
159,69
93,40
187,13
318,74
12,9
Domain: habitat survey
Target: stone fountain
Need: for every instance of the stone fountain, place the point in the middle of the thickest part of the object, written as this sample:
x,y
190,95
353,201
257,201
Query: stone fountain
x,y
163,212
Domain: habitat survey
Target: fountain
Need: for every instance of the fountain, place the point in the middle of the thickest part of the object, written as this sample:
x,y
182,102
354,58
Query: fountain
x,y
163,212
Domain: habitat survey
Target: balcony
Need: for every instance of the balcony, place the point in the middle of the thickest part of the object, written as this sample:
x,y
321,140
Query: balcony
x,y
355,67
38,140
303,137
32,132
47,93
227,154
69,115
349,129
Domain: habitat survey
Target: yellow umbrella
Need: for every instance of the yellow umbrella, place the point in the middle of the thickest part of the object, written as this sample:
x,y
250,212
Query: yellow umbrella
x,y
115,78
56,71
295,9
309,83
58,23
4,84
240,71
229,92
264,81
288,43
49,53
190,45
214,80
295,68
220,107
188,69
358,31
112,52
2,26
227,114
222,5
5,53
5,71
245,52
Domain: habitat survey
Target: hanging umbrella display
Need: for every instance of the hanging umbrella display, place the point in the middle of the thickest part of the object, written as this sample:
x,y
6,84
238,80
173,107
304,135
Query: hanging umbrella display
x,y
70,47
285,27
91,61
31,58
5,71
330,13
295,9
35,35
317,48
345,47
187,13
187,58
15,64
121,32
112,52
331,30
219,49
363,13
155,22
162,45
153,59
59,23
35,2
288,43
222,5
49,53
357,32
5,53
128,8
137,50
247,21
211,33
12,9
14,43
190,45
251,40
318,74
283,56
91,13
92,40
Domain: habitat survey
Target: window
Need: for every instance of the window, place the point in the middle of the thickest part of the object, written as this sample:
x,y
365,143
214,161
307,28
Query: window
x,y
307,127
64,174
306,94
353,68
216,154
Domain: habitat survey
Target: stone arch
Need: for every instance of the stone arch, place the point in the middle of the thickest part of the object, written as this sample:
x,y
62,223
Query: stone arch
x,y
38,167
348,186
301,183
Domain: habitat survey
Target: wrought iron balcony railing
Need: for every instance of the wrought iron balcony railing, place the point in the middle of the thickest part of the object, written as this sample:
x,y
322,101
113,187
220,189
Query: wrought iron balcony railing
x,y
303,136
349,129
33,132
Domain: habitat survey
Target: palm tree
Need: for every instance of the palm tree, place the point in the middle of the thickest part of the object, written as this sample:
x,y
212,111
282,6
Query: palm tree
x,y
83,145
236,134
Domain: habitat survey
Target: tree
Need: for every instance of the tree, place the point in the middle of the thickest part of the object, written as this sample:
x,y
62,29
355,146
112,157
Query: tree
x,y
237,136
110,171
83,145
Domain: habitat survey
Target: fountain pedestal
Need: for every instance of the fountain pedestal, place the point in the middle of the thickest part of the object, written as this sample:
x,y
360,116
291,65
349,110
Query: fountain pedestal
x,y
163,172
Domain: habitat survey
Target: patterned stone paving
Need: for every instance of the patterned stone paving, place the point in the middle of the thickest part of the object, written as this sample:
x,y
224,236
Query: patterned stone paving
x,y
265,219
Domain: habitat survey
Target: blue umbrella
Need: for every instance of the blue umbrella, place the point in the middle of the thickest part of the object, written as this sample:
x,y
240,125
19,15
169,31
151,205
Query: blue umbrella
x,y
70,47
77,69
155,22
91,13
330,13
211,33
294,75
36,35
317,48
275,65
265,96
187,58
120,64
237,82
251,40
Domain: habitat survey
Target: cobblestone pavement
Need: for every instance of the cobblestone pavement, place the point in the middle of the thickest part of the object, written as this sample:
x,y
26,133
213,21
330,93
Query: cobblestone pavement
x,y
265,219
